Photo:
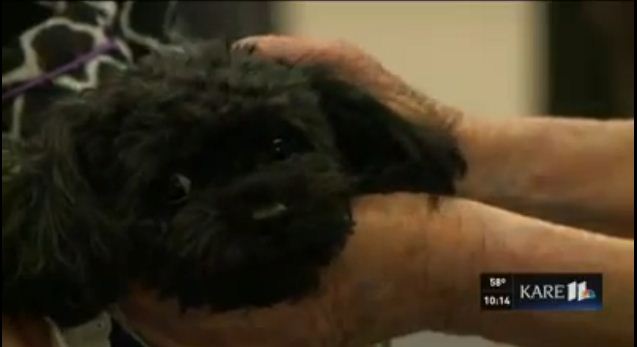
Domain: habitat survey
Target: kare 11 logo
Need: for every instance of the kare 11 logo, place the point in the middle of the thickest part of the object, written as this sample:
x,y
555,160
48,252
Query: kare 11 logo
x,y
560,292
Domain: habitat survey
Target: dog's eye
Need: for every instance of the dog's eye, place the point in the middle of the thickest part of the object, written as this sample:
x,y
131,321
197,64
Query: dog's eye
x,y
280,148
179,188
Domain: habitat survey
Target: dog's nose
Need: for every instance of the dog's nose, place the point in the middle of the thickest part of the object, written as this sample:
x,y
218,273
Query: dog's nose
x,y
269,211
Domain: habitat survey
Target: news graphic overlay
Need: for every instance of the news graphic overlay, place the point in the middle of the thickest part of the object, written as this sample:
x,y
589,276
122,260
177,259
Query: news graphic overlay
x,y
544,292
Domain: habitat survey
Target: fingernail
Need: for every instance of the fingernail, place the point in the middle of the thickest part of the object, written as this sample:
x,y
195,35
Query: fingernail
x,y
248,44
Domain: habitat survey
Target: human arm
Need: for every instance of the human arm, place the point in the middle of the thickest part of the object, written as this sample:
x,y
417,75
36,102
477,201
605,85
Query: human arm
x,y
408,268
572,171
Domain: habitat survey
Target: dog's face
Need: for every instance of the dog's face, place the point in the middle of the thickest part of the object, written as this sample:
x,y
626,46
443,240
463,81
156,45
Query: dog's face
x,y
240,196
211,176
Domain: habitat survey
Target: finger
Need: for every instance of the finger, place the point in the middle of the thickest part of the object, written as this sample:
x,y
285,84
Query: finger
x,y
290,49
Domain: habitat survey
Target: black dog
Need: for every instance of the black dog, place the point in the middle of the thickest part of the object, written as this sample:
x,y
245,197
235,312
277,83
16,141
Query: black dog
x,y
211,175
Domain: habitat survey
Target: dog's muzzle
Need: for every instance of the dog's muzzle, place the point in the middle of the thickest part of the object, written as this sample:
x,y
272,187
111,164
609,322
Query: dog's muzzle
x,y
285,187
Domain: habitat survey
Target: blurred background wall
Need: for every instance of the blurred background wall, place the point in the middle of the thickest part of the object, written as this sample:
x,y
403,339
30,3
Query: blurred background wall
x,y
486,58
591,58
489,58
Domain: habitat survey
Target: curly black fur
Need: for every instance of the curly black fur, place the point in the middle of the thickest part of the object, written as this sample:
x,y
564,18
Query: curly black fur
x,y
211,175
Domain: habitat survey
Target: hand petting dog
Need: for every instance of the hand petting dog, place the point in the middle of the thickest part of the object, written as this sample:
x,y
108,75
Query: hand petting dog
x,y
402,265
213,176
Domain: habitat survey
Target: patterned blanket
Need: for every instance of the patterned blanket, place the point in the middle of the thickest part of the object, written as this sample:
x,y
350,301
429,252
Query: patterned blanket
x,y
59,34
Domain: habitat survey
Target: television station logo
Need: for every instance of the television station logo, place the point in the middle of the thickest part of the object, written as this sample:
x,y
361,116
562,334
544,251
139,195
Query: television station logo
x,y
572,291
578,291
561,292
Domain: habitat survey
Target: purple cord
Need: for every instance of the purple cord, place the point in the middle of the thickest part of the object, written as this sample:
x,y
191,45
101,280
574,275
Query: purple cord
x,y
79,61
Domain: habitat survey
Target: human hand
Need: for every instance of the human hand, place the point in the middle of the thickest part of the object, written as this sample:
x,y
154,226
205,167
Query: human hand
x,y
350,63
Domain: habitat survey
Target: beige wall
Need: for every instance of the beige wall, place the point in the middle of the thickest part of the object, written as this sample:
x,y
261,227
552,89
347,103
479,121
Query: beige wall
x,y
486,58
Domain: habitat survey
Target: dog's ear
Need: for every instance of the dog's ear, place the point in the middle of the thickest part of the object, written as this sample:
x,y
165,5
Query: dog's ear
x,y
61,250
383,151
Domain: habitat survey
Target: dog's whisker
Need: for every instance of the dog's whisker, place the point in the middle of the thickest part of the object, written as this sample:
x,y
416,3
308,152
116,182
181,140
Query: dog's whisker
x,y
269,211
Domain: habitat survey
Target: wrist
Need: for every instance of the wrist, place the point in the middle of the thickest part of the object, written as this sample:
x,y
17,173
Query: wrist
x,y
513,243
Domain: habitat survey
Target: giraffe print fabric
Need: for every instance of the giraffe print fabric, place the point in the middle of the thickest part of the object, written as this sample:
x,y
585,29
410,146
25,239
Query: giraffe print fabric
x,y
67,30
